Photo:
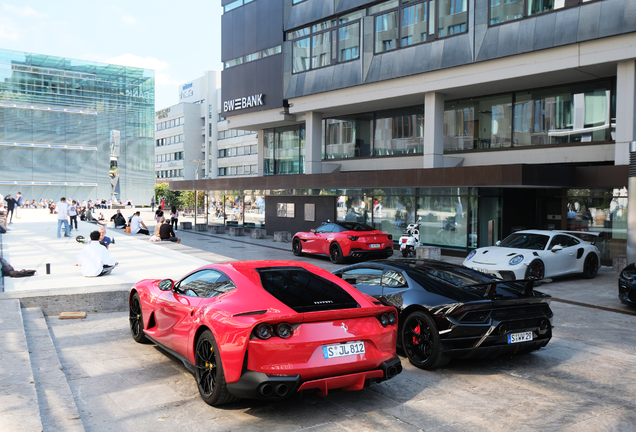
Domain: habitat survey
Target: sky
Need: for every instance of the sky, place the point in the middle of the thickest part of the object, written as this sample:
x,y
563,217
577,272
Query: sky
x,y
179,40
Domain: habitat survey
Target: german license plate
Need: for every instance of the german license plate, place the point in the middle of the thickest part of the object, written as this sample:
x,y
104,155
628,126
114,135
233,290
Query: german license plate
x,y
519,337
342,350
375,245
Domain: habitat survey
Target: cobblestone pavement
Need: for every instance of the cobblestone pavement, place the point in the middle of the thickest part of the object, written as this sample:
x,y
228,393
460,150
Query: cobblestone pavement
x,y
584,380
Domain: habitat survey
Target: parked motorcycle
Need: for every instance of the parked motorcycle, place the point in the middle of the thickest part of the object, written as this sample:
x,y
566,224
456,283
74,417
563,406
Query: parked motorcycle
x,y
411,239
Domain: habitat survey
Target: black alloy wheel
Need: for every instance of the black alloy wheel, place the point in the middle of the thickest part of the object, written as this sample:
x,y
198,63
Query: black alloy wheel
x,y
335,253
297,247
136,319
536,269
590,267
209,371
421,342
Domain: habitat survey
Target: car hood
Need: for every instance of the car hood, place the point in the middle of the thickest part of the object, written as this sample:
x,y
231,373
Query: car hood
x,y
496,255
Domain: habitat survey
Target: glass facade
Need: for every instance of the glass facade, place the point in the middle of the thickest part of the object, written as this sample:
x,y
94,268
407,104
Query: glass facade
x,y
284,150
507,10
382,133
75,128
557,115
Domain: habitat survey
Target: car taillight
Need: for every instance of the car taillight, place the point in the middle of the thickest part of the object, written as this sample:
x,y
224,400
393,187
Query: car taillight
x,y
387,319
390,237
264,331
267,331
352,238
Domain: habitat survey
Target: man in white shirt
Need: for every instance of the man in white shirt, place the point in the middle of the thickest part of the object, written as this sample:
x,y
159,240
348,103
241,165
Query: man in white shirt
x,y
62,217
136,225
94,259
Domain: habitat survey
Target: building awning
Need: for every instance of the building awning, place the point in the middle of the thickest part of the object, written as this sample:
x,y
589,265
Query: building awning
x,y
517,175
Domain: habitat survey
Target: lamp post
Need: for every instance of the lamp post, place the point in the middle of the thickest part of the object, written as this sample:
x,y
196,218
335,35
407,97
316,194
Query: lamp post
x,y
196,177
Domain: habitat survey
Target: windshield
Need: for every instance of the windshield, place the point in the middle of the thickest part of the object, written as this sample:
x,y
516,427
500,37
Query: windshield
x,y
525,241
356,226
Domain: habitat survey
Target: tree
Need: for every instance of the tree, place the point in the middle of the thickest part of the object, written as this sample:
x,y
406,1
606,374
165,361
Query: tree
x,y
172,197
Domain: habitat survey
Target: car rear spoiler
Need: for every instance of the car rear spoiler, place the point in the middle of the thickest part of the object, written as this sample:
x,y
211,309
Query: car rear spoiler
x,y
528,286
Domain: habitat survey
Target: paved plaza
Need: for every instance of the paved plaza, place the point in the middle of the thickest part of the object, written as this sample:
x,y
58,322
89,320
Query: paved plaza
x,y
58,375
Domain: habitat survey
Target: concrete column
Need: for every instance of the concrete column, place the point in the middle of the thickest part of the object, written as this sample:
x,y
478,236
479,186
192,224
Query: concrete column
x,y
313,143
625,110
631,205
433,130
260,139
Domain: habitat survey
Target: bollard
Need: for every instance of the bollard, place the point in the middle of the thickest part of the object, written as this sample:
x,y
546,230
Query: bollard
x,y
48,268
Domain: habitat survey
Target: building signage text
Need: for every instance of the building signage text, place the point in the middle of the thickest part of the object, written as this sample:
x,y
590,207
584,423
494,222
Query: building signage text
x,y
163,113
242,103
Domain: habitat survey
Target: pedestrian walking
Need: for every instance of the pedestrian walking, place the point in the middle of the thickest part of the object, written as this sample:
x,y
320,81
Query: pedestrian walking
x,y
20,203
11,205
72,214
152,203
62,217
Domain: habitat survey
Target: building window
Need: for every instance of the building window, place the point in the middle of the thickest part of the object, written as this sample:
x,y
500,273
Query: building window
x,y
560,115
254,56
502,11
284,150
326,42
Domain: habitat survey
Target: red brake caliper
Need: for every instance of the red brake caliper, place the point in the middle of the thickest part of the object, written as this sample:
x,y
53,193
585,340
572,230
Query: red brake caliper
x,y
416,330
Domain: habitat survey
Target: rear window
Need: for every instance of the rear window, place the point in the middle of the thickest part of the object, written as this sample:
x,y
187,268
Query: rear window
x,y
304,291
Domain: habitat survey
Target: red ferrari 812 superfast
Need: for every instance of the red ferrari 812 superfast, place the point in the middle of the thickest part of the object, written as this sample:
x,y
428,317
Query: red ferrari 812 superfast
x,y
267,329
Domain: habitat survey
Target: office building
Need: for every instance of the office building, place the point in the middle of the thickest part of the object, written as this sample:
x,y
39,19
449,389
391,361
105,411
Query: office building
x,y
481,117
75,128
192,138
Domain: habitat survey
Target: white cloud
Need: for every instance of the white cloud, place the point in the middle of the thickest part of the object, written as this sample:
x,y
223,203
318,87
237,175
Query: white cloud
x,y
138,61
159,66
24,12
127,19
7,30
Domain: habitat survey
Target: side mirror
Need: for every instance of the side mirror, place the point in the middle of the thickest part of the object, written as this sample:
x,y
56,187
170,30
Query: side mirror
x,y
557,248
498,243
166,285
313,230
419,218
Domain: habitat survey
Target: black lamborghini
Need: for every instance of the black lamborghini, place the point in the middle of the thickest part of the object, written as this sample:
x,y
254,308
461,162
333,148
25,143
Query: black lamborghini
x,y
449,311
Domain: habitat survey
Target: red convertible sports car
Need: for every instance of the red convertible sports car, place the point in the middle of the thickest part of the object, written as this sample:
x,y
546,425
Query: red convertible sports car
x,y
267,329
339,240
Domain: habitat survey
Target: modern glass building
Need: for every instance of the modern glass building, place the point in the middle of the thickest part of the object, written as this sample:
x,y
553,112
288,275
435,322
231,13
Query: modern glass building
x,y
75,128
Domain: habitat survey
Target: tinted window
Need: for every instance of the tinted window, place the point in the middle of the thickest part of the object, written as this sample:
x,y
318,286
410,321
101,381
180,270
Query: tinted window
x,y
355,226
304,291
526,241
363,276
206,283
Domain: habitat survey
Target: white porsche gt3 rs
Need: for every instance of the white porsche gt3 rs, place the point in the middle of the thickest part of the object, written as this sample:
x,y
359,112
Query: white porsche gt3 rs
x,y
536,253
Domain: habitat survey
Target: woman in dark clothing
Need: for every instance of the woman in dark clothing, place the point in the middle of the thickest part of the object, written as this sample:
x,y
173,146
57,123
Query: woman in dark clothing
x,y
167,234
174,217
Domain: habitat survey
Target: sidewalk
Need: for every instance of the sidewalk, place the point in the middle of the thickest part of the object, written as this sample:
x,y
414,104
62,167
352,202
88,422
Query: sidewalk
x,y
32,243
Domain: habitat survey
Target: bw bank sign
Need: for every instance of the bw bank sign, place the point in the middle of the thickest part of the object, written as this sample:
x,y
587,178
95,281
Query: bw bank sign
x,y
242,103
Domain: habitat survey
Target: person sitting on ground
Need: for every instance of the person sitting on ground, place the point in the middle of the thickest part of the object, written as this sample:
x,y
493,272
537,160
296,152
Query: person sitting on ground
x,y
136,225
94,259
155,236
167,234
118,220
103,239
